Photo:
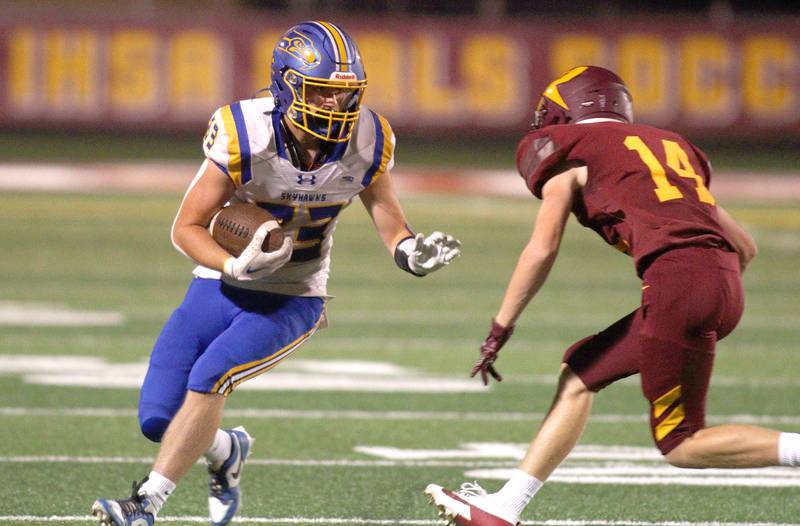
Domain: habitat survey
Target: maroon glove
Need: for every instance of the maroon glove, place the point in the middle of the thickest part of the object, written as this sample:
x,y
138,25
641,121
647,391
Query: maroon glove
x,y
498,336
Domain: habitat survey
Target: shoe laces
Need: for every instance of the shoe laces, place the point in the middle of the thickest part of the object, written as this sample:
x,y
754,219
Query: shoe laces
x,y
133,504
216,483
471,489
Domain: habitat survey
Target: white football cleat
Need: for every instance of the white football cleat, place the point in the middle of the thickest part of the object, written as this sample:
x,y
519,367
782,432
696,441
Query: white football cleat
x,y
469,506
224,495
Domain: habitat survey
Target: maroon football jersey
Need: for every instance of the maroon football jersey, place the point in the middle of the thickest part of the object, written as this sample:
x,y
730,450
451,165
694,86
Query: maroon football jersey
x,y
647,188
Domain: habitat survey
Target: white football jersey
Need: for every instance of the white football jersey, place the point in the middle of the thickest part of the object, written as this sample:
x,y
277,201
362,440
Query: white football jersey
x,y
246,141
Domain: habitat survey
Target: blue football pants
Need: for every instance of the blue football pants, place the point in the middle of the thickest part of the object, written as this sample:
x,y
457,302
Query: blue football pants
x,y
216,339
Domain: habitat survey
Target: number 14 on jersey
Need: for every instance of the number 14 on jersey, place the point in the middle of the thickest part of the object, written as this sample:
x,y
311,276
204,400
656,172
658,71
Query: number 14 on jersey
x,y
677,160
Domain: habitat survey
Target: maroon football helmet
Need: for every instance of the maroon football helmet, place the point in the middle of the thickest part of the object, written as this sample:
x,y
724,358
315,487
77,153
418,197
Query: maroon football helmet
x,y
581,93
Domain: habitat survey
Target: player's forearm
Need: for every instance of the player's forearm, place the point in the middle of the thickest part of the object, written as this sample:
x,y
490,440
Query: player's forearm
x,y
742,241
746,247
389,220
393,232
196,243
530,274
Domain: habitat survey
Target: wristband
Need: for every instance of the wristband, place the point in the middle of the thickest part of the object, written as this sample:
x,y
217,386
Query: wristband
x,y
401,257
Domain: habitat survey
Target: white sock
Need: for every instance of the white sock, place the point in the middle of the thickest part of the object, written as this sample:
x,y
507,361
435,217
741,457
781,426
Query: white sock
x,y
220,449
789,449
157,488
518,491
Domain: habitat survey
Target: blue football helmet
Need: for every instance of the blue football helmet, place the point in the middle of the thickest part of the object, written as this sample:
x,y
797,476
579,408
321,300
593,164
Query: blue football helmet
x,y
313,58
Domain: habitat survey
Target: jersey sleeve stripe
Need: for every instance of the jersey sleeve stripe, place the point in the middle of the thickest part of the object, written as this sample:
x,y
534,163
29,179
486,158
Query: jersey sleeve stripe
x,y
379,154
234,156
244,141
386,153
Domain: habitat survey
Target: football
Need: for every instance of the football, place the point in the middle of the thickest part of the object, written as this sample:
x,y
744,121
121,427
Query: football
x,y
233,228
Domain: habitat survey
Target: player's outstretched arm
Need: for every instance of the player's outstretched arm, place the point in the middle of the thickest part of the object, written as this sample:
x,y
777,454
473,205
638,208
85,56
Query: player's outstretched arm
x,y
533,265
208,192
414,253
743,242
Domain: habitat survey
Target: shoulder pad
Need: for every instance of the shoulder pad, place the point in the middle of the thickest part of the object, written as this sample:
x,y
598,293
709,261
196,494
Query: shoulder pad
x,y
374,143
227,143
536,153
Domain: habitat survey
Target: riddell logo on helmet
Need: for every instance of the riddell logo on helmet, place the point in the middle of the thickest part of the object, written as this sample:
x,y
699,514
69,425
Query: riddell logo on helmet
x,y
343,75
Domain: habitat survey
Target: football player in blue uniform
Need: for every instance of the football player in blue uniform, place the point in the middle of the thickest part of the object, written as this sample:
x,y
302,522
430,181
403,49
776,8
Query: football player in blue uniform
x,y
303,154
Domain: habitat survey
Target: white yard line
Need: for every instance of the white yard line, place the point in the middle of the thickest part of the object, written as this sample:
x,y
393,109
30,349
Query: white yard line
x,y
45,314
387,522
100,412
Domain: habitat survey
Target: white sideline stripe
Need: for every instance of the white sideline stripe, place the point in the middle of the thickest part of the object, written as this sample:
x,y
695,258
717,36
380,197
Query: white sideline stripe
x,y
45,314
305,374
612,473
388,522
392,415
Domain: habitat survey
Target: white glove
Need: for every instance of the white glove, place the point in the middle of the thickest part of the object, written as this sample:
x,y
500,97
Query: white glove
x,y
252,263
427,254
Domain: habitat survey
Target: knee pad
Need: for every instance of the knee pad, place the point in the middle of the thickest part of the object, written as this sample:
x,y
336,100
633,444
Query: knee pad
x,y
154,428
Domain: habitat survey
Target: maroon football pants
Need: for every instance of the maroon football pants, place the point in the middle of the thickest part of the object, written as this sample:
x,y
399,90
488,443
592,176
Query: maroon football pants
x,y
691,298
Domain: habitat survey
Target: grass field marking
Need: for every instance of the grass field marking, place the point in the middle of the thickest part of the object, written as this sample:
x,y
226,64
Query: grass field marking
x,y
600,418
625,465
574,471
629,480
387,522
295,375
51,315
508,450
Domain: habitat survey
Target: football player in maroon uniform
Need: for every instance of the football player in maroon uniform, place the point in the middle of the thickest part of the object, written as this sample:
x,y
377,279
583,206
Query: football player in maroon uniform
x,y
645,191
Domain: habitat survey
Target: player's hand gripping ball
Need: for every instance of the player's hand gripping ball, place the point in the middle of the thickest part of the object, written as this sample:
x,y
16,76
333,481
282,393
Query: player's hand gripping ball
x,y
233,228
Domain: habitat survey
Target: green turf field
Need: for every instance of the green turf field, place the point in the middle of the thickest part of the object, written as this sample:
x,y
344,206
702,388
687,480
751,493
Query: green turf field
x,y
110,256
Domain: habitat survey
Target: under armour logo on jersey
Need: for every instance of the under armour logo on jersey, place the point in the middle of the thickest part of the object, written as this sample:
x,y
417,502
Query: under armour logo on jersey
x,y
307,179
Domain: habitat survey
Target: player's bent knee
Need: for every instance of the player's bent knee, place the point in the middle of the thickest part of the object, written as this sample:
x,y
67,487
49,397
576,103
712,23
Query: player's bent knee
x,y
154,428
571,385
680,459
678,451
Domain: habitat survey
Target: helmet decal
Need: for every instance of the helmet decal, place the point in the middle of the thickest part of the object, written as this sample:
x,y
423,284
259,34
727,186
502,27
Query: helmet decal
x,y
552,92
301,47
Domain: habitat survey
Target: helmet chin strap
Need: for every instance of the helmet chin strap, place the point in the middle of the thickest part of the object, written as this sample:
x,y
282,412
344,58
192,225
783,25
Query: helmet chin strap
x,y
298,146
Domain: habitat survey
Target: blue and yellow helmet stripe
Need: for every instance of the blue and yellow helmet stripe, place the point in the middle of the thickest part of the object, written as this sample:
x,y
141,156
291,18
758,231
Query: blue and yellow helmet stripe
x,y
340,46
